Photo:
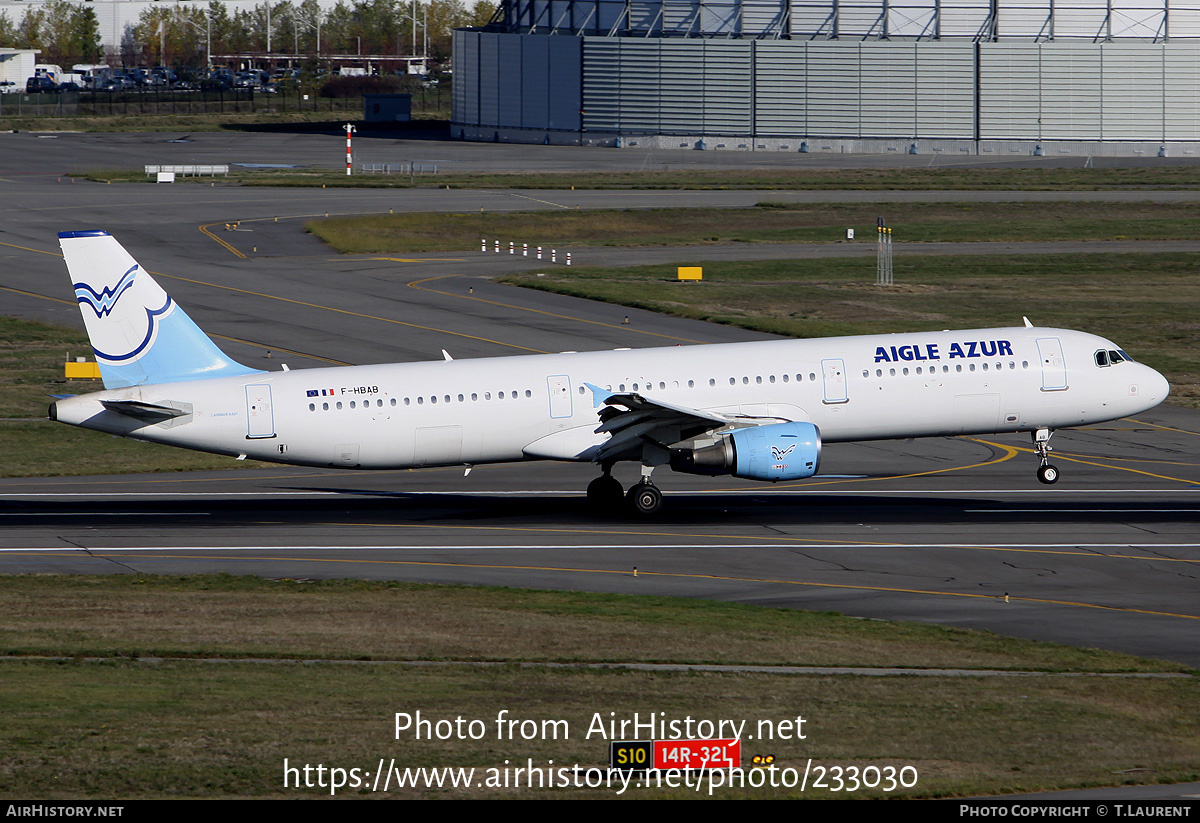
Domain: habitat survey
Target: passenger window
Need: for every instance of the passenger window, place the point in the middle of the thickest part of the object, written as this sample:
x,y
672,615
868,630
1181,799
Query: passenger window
x,y
312,406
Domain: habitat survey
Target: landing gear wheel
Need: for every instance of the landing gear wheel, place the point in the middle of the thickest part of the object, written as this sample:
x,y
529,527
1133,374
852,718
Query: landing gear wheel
x,y
645,498
1048,474
605,492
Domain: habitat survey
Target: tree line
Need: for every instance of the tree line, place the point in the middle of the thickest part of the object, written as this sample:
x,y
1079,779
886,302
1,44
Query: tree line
x,y
180,34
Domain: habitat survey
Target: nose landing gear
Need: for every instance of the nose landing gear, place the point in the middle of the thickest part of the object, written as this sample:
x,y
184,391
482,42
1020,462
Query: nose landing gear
x,y
1046,473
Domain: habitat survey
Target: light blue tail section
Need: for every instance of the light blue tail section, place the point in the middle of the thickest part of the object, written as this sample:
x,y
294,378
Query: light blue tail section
x,y
139,334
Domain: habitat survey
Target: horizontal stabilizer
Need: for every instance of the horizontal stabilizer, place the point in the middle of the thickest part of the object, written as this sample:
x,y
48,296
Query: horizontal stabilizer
x,y
142,411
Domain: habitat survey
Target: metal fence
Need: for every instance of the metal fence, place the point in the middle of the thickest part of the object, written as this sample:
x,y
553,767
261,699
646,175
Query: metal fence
x,y
153,102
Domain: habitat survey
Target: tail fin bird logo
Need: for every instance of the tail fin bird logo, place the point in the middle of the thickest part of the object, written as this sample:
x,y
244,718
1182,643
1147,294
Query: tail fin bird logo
x,y
102,303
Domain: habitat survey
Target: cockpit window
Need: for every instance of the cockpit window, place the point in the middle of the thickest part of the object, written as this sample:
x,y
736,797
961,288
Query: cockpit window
x,y
1115,357
1124,355
1101,358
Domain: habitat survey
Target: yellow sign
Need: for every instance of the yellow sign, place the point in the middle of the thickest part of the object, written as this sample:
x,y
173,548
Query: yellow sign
x,y
690,273
83,371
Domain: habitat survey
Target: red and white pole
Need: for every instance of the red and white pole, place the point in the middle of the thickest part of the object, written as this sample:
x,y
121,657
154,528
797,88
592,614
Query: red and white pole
x,y
349,154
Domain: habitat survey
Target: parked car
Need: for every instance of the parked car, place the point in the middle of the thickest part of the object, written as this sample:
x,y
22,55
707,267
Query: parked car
x,y
40,85
9,87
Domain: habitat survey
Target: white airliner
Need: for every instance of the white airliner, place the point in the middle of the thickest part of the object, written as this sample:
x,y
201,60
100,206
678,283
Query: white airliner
x,y
758,410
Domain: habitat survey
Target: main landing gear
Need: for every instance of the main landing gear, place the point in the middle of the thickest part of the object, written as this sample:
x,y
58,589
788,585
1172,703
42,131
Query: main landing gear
x,y
606,495
1046,473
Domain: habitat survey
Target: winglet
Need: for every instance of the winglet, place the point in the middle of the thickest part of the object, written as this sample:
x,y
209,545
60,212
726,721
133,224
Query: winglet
x,y
140,336
1028,325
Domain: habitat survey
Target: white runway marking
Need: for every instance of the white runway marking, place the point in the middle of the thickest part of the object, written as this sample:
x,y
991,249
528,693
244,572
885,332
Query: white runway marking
x,y
524,546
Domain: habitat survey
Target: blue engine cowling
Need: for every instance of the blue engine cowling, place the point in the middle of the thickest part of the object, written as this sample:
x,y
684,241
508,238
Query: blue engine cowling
x,y
781,451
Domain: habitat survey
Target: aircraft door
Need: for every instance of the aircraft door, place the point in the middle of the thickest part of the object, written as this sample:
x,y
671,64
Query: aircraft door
x,y
834,375
260,419
559,387
1054,365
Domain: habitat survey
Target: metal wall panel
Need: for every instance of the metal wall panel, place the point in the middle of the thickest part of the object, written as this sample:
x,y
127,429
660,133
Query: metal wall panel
x,y
945,90
464,102
728,93
645,17
1132,91
780,88
601,84
887,89
534,74
1125,90
1181,64
1184,22
682,67
763,18
489,78
813,21
1024,20
967,19
833,88
508,86
1009,91
681,18
641,94
565,86
1070,91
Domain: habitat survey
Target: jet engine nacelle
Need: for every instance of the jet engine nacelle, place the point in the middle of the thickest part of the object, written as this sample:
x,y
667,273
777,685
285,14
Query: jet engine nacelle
x,y
781,451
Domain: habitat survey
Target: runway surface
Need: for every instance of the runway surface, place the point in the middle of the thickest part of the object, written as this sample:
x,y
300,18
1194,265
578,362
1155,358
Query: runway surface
x,y
950,530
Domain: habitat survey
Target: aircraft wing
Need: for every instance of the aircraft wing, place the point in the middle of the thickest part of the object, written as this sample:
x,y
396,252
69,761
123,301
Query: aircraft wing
x,y
633,419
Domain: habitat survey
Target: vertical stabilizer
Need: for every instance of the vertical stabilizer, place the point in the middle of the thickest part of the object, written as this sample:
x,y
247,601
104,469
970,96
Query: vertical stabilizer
x,y
140,336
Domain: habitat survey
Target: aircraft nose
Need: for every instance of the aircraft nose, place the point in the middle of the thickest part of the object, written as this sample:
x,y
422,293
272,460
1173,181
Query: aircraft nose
x,y
1155,387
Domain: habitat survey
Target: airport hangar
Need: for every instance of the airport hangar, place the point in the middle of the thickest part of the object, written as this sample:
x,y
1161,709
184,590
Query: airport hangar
x,y
937,77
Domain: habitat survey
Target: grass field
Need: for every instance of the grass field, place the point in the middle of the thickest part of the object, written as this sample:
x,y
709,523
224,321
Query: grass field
x,y
186,725
766,223
1048,179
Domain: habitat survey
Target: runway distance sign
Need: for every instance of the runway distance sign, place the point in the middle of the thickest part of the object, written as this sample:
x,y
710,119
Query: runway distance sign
x,y
679,755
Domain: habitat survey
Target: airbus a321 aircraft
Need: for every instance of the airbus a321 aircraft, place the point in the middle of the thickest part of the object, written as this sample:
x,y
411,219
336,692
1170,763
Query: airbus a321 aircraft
x,y
758,410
